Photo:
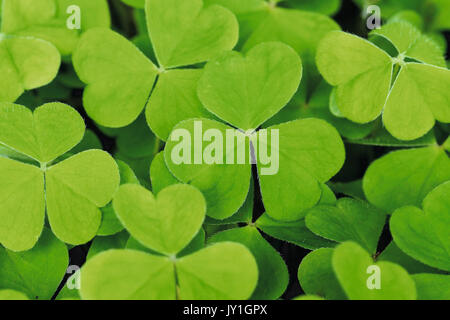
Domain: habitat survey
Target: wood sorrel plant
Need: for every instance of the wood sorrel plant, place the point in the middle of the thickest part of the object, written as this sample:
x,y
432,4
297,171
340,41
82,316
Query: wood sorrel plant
x,y
314,145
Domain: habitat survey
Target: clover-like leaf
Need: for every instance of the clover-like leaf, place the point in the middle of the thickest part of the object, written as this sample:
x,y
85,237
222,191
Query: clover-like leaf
x,y
351,264
221,271
47,19
25,64
348,220
70,190
405,177
261,84
7,294
273,274
410,105
432,286
424,234
328,7
36,272
316,275
185,32
165,223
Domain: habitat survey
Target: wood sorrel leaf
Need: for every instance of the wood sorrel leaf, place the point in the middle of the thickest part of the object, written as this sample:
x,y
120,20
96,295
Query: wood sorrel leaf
x,y
127,274
185,32
225,186
165,223
119,77
405,177
36,272
316,275
219,272
363,279
45,134
273,274
328,7
7,294
160,175
310,153
424,234
25,64
432,286
349,219
261,84
48,20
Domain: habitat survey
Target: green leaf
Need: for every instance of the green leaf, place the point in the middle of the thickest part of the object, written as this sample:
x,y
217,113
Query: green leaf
x,y
351,264
262,83
135,3
393,253
119,77
160,175
311,153
317,277
47,19
75,190
418,97
424,234
273,274
45,134
351,66
348,220
25,64
225,186
7,294
405,177
174,99
166,223
432,286
328,7
185,33
100,244
36,272
383,138
127,275
222,271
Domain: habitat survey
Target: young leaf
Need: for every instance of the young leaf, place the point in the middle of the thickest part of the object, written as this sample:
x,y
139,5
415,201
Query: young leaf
x,y
424,234
405,177
36,272
273,274
185,33
47,19
166,223
25,64
351,264
348,220
262,83
316,275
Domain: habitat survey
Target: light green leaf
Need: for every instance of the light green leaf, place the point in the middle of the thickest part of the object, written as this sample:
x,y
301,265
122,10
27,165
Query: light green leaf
x,y
100,244
348,220
127,275
418,97
135,3
75,190
351,66
432,286
311,152
351,264
225,186
21,192
424,234
328,7
119,77
160,175
405,177
25,64
165,223
48,19
185,33
273,274
316,275
36,272
174,99
261,84
45,134
7,294
222,271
